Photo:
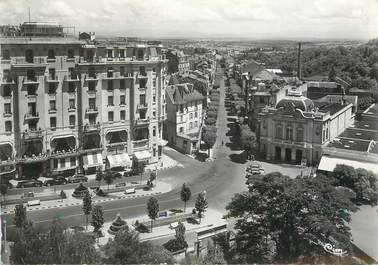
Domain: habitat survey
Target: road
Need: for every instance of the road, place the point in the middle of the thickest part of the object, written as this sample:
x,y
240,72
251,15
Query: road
x,y
220,178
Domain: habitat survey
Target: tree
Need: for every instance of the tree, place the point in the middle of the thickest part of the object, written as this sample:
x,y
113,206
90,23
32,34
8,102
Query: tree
x,y
20,216
247,139
87,207
97,219
180,234
126,248
3,190
99,175
201,204
332,74
209,138
153,177
109,178
185,195
283,220
152,209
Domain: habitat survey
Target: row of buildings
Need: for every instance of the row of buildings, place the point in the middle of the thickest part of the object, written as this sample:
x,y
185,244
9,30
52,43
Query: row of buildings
x,y
311,123
71,105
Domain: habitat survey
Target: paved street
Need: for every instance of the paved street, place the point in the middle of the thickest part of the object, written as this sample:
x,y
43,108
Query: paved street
x,y
220,178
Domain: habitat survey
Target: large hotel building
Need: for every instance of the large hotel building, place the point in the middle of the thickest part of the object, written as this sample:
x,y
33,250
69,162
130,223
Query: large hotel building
x,y
69,105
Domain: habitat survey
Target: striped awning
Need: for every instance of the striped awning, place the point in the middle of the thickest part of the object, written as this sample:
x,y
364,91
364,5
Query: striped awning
x,y
142,155
92,160
119,160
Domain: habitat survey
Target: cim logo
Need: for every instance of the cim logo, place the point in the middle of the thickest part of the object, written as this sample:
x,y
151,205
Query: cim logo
x,y
335,251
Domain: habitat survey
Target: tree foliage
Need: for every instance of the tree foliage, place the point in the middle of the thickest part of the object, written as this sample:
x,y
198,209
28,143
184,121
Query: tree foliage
x,y
19,216
185,194
97,218
87,206
201,204
283,220
3,190
152,209
210,136
126,248
248,139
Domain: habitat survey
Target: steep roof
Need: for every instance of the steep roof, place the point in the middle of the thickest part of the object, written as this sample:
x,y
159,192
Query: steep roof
x,y
183,93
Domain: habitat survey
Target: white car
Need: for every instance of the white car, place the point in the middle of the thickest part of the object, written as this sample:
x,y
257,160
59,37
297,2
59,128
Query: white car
x,y
130,191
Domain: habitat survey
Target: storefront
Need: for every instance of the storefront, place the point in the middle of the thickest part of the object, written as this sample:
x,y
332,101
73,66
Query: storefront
x,y
119,161
91,162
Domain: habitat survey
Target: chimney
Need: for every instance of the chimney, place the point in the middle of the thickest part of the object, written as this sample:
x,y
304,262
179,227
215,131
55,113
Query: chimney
x,y
299,70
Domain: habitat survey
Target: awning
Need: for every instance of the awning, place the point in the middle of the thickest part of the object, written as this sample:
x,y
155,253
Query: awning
x,y
142,155
92,160
329,163
163,142
119,160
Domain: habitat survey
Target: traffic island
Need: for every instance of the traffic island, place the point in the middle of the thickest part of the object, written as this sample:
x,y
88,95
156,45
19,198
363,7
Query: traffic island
x,y
117,225
80,191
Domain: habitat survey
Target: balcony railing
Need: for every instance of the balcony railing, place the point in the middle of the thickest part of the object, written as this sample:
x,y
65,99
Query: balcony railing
x,y
71,108
7,114
72,78
35,61
140,144
52,79
30,80
91,110
115,75
31,116
52,110
92,127
7,81
32,134
140,122
142,75
91,77
142,106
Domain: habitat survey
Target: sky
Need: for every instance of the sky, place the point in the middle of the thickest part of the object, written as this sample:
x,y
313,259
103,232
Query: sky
x,y
247,19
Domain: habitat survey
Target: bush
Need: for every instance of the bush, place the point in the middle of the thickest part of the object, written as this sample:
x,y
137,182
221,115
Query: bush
x,y
63,194
174,245
141,228
210,121
101,193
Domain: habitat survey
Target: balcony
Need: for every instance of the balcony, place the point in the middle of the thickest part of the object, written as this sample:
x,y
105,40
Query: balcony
x,y
31,116
32,97
32,134
91,110
72,78
142,106
7,114
139,145
142,75
141,122
30,80
92,127
91,77
72,109
7,81
52,111
51,79
33,62
114,76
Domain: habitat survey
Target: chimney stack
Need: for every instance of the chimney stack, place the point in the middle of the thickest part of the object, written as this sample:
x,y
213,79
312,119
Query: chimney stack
x,y
299,70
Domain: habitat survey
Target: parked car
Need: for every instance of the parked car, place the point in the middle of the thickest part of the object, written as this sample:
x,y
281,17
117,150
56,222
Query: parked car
x,y
130,191
27,195
122,184
26,183
56,181
77,179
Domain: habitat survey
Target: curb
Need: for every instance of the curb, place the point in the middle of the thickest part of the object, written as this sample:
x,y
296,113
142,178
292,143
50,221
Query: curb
x,y
79,203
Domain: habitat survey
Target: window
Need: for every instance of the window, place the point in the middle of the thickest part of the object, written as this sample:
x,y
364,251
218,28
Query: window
x,y
300,135
92,86
31,90
73,161
110,53
52,105
181,130
92,119
52,73
110,116
72,120
154,131
122,84
122,71
71,102
6,55
71,87
71,53
7,108
122,53
191,116
142,114
8,126
55,163
123,115
7,92
30,75
154,114
154,83
92,103
191,125
62,162
110,85
142,99
196,124
110,101
109,72
154,99
52,88
53,122
50,54
29,56
289,133
92,72
279,131
140,55
195,114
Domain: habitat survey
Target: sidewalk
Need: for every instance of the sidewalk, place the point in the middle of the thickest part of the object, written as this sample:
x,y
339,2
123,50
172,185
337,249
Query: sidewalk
x,y
161,187
164,163
162,234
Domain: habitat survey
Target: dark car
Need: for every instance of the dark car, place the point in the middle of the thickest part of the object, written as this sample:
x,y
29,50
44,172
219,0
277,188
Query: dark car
x,y
77,179
56,181
29,183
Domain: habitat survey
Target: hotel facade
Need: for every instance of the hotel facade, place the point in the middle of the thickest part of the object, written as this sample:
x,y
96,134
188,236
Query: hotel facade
x,y
71,106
